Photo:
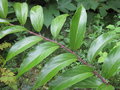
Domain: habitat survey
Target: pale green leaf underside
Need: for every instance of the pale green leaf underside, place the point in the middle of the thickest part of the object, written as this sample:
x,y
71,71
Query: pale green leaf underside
x,y
35,57
11,29
111,63
21,10
57,24
53,67
37,17
98,44
22,45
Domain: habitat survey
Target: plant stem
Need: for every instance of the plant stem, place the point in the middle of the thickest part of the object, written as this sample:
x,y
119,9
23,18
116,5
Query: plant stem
x,y
72,52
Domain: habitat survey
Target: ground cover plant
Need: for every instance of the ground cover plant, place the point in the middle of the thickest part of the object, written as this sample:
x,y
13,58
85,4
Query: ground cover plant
x,y
63,70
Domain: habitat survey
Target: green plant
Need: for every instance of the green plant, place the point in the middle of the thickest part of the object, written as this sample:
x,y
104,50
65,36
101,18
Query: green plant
x,y
79,76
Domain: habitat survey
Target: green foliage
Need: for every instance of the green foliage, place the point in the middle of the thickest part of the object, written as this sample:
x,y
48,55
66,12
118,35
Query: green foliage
x,y
67,73
102,5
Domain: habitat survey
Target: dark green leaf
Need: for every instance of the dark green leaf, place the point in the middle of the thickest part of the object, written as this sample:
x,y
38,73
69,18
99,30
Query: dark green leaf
x,y
65,6
22,45
37,18
71,77
11,29
88,4
21,10
53,67
35,57
3,8
78,28
50,12
57,24
105,87
111,63
98,44
102,11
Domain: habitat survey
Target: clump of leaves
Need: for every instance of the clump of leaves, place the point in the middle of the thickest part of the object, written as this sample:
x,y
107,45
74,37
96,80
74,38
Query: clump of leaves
x,y
5,45
7,77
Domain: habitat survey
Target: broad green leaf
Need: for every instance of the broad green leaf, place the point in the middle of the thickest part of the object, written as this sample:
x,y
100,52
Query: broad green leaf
x,y
92,82
105,87
21,10
57,24
78,28
37,18
98,44
71,77
22,45
3,8
111,63
11,29
3,21
53,67
35,57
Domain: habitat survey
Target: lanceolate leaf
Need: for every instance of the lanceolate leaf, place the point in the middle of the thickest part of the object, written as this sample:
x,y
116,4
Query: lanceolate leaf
x,y
71,77
57,24
3,21
53,67
105,87
111,63
3,8
11,29
92,82
41,52
22,45
78,28
37,18
21,10
98,44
